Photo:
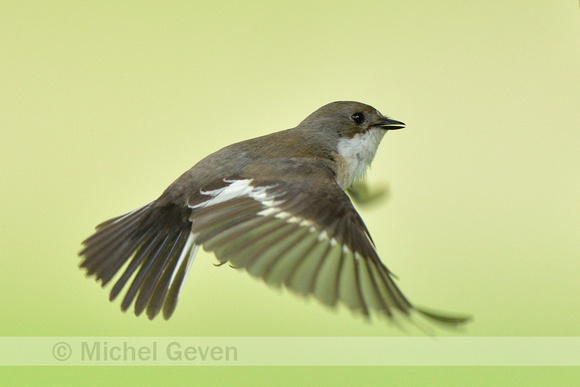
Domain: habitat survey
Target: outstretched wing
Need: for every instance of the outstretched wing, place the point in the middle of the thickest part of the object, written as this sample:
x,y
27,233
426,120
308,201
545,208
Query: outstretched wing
x,y
303,235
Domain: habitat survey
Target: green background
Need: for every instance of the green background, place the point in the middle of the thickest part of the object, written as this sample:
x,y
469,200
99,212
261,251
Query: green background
x,y
103,104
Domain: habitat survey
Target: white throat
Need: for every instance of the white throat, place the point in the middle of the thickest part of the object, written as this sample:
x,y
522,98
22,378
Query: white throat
x,y
357,154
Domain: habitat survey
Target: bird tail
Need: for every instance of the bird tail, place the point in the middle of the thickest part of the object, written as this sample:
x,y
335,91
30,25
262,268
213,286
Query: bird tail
x,y
152,241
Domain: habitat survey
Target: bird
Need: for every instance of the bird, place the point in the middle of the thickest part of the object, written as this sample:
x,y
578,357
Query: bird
x,y
277,206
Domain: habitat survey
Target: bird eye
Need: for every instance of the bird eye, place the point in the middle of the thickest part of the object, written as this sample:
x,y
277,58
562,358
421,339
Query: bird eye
x,y
358,118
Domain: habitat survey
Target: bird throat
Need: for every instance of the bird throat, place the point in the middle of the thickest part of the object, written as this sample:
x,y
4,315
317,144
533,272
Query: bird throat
x,y
355,154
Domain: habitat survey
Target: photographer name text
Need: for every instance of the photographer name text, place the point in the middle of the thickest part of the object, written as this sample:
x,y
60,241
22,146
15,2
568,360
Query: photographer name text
x,y
103,351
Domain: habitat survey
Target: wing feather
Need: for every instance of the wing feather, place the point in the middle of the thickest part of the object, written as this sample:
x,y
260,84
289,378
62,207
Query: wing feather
x,y
287,235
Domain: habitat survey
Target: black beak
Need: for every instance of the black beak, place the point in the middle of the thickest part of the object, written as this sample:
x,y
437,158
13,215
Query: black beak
x,y
389,124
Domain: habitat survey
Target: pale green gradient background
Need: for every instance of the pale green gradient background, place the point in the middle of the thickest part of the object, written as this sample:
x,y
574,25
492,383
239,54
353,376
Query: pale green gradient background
x,y
103,104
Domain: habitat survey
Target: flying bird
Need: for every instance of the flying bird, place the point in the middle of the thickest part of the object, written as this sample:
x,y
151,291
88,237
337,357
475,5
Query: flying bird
x,y
275,206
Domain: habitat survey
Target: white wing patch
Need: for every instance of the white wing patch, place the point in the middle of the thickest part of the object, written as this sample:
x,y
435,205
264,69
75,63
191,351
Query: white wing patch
x,y
238,189
243,188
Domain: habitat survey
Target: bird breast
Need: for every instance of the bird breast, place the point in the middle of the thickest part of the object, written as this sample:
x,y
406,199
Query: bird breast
x,y
355,154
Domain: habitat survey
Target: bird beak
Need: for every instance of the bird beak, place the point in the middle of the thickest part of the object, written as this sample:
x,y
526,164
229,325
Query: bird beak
x,y
389,124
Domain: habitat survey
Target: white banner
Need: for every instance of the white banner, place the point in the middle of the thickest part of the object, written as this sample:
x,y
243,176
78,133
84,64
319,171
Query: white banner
x,y
289,351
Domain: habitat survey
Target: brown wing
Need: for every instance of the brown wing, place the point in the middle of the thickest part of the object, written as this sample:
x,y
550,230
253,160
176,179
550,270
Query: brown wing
x,y
302,234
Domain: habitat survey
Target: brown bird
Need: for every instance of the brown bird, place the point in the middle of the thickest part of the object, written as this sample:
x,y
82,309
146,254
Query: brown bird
x,y
275,206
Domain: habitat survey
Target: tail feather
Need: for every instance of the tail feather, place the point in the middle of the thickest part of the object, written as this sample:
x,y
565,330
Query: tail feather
x,y
142,252
149,241
164,284
114,261
153,277
178,278
150,259
111,239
